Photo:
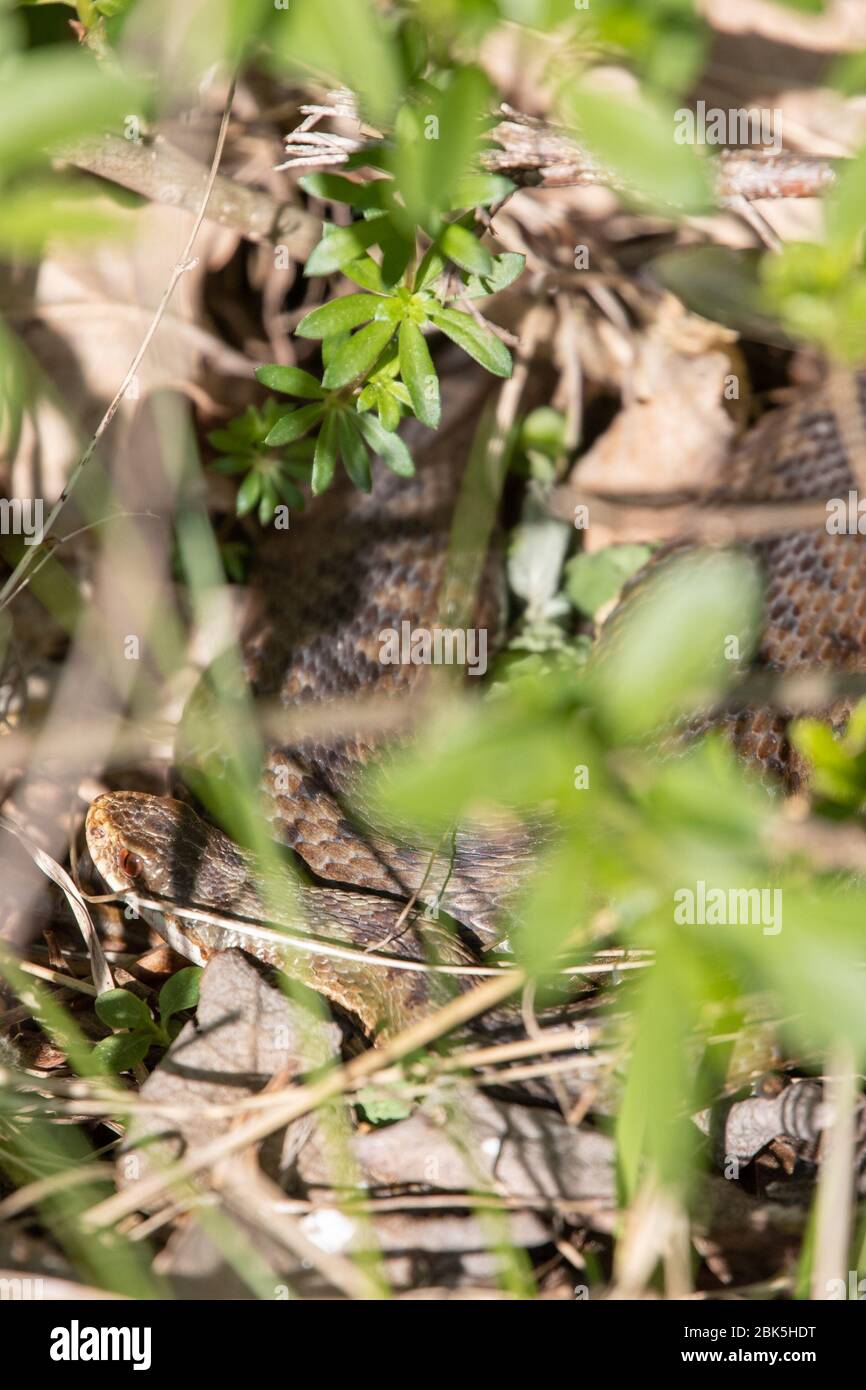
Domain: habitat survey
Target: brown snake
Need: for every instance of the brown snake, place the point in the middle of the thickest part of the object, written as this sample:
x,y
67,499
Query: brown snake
x,y
355,565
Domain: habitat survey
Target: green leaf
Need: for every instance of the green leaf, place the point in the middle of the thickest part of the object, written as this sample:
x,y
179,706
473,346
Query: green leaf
x,y
249,493
553,910
506,269
543,431
639,143
270,500
325,458
466,250
653,1126
123,1051
331,346
292,381
380,1106
339,316
504,752
356,460
55,208
359,355
437,138
388,447
593,580
179,992
484,347
289,492
431,267
419,374
296,423
389,410
340,245
52,95
337,189
224,440
674,644
348,41
481,190
817,978
366,273
117,1008
838,764
397,252
228,464
846,205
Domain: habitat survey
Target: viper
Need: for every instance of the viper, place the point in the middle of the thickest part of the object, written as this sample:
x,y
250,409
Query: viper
x,y
355,566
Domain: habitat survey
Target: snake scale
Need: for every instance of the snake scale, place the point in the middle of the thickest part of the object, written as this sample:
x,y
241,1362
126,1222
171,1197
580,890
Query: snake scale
x,y
354,565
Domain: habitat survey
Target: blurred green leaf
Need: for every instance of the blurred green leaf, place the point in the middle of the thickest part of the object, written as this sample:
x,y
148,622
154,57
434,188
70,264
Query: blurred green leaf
x,y
554,910
665,42
436,140
846,207
337,189
508,754
655,1134
678,640
348,42
593,580
51,96
637,142
838,763
59,209
249,493
820,294
382,1107
481,190
848,73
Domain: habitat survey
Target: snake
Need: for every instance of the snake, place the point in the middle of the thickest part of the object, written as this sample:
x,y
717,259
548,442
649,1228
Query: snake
x,y
352,566
355,565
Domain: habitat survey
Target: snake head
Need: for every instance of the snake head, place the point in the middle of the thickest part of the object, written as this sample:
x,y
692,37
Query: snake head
x,y
156,846
119,845
135,840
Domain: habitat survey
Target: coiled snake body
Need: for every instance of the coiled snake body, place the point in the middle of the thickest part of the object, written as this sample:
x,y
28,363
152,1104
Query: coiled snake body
x,y
357,565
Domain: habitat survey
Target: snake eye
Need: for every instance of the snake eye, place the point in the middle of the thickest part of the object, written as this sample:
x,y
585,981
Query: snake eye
x,y
130,864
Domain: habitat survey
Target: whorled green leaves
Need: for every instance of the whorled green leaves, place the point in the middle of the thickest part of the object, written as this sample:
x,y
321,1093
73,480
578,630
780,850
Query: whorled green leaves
x,y
122,1010
377,364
